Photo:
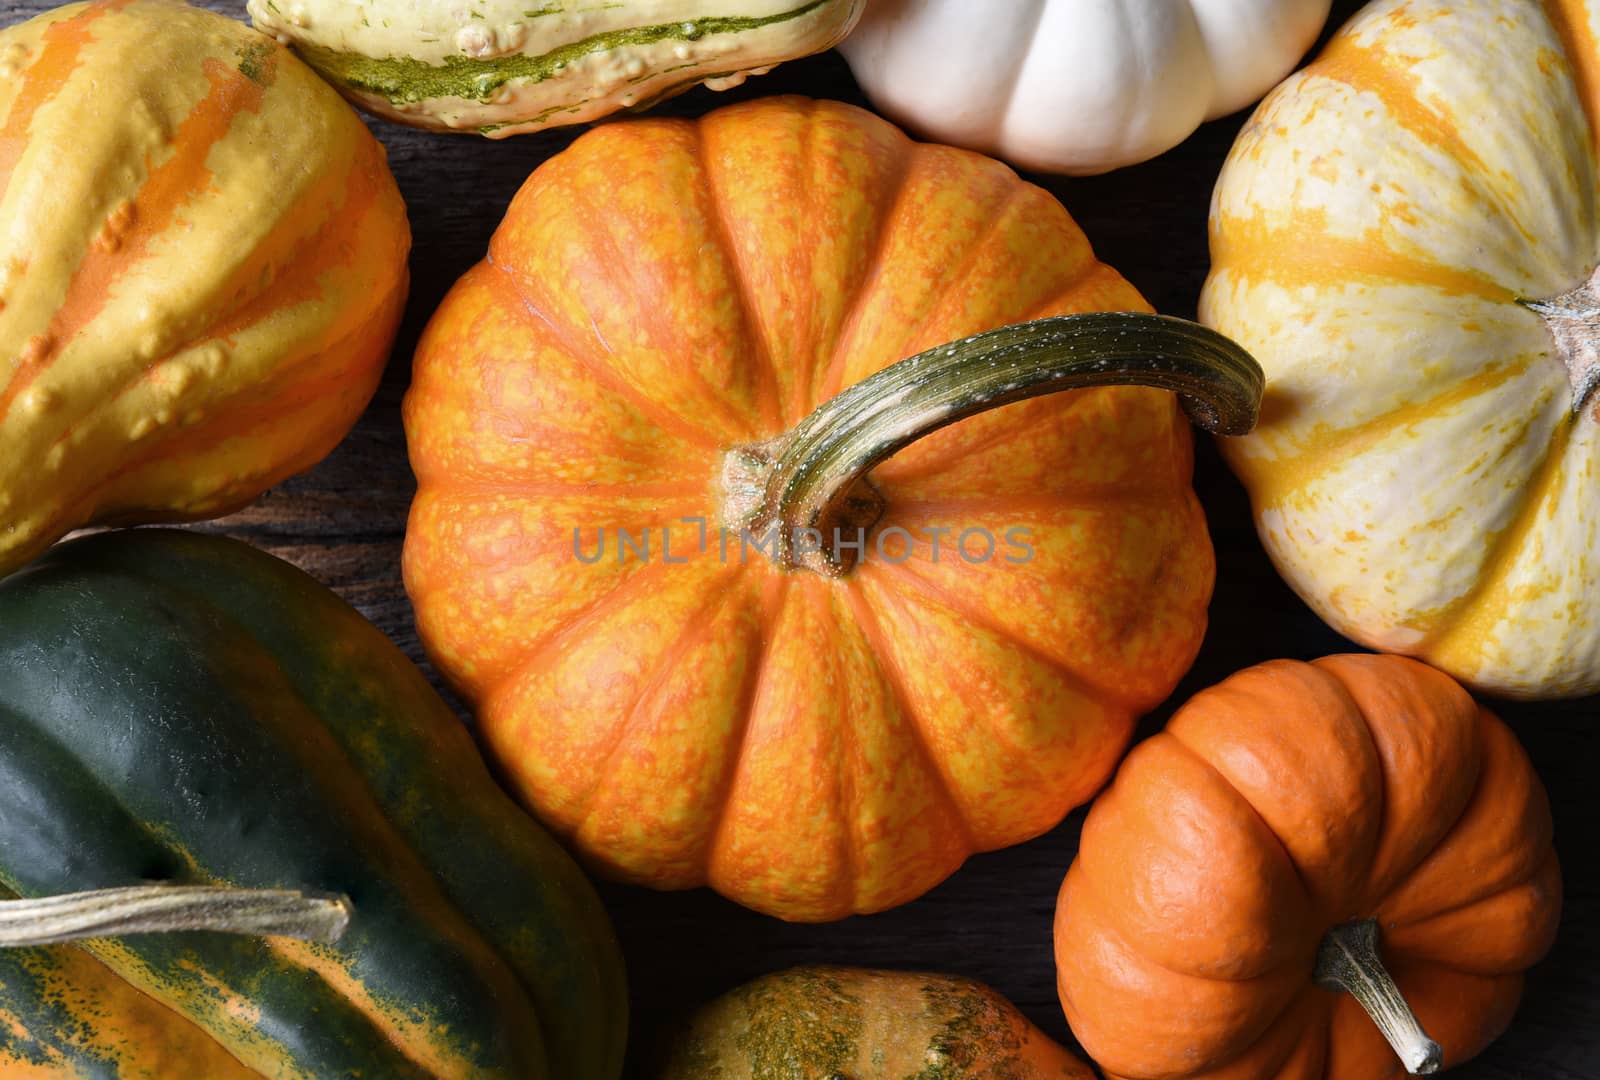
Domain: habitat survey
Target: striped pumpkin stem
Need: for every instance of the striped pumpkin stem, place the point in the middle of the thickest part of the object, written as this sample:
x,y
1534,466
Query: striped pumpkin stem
x,y
811,484
160,909
1348,960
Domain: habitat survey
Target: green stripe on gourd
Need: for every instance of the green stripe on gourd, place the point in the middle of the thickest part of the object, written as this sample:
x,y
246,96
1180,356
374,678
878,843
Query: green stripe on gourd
x,y
403,80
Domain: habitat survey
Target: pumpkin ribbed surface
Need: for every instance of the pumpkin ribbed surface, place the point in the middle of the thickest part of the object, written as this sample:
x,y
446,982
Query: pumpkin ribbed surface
x,y
1382,236
1290,799
201,268
666,291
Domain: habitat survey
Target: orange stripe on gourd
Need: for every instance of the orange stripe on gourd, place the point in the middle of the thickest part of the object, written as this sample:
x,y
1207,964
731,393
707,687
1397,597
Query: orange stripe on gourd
x,y
1017,233
1273,481
1003,767
691,356
520,295
698,673
257,411
421,1039
1306,252
63,48
259,414
115,1024
1469,621
1571,20
1372,71
258,288
168,187
335,244
802,239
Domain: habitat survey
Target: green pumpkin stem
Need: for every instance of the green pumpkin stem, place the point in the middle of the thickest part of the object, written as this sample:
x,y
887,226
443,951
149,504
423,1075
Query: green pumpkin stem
x,y
156,909
812,481
1348,960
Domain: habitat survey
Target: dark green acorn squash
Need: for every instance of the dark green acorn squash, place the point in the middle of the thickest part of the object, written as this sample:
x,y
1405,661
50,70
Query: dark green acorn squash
x,y
182,708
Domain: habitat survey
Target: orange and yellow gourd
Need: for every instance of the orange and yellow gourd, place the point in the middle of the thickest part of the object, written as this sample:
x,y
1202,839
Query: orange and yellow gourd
x,y
202,264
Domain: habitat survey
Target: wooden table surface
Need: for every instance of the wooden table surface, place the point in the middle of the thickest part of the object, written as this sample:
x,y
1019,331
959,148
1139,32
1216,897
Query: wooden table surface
x,y
344,522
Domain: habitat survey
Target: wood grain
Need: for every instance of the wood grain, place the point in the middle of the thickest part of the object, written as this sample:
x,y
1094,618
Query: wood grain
x,y
344,522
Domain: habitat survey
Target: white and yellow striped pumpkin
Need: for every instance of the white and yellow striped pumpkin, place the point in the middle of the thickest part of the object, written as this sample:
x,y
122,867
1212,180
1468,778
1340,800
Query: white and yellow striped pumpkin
x,y
202,265
1406,234
504,67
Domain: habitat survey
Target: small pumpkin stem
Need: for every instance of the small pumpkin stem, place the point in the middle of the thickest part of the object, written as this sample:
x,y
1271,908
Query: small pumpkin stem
x,y
1573,319
812,481
157,909
1348,960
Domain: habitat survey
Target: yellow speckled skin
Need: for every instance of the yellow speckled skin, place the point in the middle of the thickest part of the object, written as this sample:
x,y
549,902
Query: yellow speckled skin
x,y
812,1022
810,747
1420,475
202,264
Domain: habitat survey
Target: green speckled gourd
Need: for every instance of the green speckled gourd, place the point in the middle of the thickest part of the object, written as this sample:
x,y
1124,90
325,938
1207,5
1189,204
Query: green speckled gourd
x,y
836,1023
182,708
503,67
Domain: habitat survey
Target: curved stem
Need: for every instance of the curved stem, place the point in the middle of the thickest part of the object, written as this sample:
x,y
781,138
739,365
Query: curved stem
x,y
156,909
1348,960
810,480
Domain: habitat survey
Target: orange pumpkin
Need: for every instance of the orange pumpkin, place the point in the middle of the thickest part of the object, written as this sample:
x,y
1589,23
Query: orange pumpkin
x,y
1358,824
597,425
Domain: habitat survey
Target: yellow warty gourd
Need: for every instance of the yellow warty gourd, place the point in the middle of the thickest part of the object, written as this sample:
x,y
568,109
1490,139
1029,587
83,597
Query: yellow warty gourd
x,y
202,264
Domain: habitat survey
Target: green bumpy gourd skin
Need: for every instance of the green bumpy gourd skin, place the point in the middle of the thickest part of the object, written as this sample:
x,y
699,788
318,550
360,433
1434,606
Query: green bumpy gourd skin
x,y
179,707
404,80
837,1023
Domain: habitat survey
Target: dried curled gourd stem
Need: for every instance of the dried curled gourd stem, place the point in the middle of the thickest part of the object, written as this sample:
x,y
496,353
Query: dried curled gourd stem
x,y
813,478
1348,960
155,909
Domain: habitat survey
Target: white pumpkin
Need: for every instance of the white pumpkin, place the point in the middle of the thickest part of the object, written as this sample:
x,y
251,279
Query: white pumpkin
x,y
1074,86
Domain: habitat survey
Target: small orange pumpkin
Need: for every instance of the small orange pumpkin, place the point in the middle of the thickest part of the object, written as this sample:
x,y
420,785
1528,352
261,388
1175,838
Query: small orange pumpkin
x,y
1358,824
597,424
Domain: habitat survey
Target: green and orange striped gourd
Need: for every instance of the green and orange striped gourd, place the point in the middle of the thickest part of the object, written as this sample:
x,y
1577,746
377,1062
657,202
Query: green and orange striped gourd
x,y
183,709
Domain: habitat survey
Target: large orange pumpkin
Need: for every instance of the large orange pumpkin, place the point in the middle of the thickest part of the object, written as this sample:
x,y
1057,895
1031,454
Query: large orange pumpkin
x,y
1354,824
812,733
